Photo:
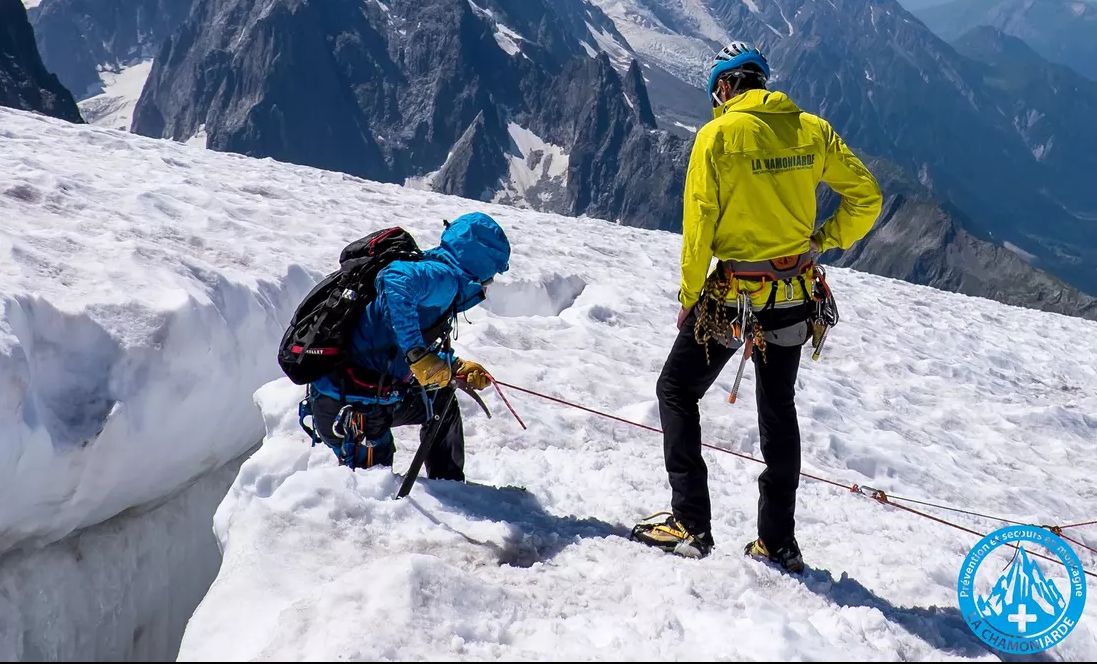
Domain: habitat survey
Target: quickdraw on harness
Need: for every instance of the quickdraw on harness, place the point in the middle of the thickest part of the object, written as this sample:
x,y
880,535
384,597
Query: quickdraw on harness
x,y
714,323
350,425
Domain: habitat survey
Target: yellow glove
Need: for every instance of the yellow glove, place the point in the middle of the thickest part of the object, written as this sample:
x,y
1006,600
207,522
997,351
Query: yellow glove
x,y
474,374
431,371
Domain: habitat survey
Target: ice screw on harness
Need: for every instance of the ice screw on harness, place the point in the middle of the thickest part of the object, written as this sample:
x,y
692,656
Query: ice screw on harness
x,y
826,312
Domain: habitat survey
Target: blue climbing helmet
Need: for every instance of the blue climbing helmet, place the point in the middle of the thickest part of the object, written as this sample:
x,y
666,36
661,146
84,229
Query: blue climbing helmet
x,y
735,56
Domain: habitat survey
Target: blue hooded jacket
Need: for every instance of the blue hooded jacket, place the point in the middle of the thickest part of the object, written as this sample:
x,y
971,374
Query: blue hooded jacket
x,y
413,296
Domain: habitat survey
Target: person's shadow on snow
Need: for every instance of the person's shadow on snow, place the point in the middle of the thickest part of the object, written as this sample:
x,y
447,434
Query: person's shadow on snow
x,y
942,628
534,536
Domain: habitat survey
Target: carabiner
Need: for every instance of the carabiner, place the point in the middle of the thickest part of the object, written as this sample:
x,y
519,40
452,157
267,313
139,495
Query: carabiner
x,y
339,426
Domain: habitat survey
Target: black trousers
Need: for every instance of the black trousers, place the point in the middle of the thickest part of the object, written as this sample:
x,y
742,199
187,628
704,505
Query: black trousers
x,y
376,447
684,380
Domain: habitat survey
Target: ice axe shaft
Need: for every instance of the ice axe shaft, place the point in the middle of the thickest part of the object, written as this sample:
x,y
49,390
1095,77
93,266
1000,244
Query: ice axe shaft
x,y
748,348
434,424
819,346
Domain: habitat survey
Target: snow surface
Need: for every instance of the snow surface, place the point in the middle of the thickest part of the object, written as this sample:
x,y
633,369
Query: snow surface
x,y
145,284
690,128
699,15
424,182
113,107
199,138
535,168
506,38
131,318
619,55
984,406
687,56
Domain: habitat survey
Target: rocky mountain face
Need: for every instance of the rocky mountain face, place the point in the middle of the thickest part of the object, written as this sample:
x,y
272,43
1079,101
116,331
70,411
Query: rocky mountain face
x,y
912,99
1051,107
917,5
25,83
79,38
895,90
492,100
1063,31
588,107
924,241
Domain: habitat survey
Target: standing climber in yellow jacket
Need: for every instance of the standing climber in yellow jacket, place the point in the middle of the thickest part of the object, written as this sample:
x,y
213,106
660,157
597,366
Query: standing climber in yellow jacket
x,y
750,203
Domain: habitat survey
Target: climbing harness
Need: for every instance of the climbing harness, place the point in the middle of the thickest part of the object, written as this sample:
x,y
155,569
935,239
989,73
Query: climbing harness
x,y
714,323
350,425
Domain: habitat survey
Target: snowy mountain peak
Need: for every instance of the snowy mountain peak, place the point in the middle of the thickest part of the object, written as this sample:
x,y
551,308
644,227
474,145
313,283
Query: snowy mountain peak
x,y
1023,600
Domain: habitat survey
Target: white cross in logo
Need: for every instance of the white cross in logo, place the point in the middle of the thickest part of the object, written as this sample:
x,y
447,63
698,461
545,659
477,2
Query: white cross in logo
x,y
1022,618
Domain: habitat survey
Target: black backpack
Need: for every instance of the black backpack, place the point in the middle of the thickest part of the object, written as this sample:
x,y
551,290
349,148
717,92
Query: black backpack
x,y
317,341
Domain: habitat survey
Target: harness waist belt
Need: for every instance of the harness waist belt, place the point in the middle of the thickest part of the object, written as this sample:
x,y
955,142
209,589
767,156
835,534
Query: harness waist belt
x,y
776,269
376,383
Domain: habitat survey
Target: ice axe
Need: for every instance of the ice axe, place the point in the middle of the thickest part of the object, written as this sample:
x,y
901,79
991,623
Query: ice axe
x,y
739,331
463,385
434,422
748,349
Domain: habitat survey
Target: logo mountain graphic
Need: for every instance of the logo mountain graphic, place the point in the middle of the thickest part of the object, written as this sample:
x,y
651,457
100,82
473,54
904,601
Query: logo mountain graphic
x,y
1022,602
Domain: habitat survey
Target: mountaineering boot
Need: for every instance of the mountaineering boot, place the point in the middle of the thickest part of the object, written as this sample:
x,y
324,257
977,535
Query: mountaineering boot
x,y
787,557
673,537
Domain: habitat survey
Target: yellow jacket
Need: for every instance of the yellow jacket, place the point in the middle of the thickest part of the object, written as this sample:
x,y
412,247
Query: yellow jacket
x,y
750,189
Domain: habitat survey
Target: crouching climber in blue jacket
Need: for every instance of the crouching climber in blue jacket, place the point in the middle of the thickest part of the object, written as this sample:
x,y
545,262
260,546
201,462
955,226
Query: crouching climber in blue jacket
x,y
402,366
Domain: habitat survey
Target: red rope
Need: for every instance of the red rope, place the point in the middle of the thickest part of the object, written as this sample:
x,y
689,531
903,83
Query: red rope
x,y
973,532
1078,525
507,401
1084,546
878,496
1058,530
575,405
956,509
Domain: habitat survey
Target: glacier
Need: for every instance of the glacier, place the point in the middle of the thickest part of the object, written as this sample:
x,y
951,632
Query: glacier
x,y
144,285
